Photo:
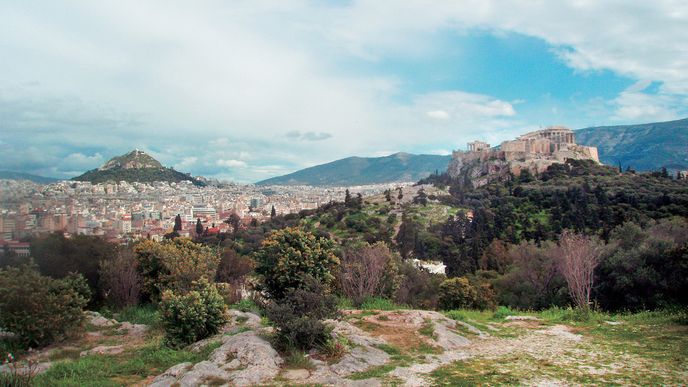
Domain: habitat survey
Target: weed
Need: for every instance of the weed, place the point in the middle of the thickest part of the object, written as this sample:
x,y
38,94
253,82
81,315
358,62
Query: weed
x,y
378,303
296,359
427,329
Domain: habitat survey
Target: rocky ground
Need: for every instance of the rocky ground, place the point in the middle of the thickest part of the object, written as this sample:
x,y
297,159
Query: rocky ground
x,y
399,347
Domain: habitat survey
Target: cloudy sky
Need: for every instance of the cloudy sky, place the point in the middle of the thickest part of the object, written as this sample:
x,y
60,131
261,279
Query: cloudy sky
x,y
248,90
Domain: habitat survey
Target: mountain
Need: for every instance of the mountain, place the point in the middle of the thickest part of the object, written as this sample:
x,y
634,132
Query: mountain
x,y
642,147
399,167
135,166
10,175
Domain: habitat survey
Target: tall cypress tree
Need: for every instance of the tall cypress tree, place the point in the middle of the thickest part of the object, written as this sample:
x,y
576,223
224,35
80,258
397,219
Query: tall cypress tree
x,y
199,226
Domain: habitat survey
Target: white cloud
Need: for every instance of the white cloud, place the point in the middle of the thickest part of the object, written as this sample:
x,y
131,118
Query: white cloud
x,y
438,114
231,163
228,80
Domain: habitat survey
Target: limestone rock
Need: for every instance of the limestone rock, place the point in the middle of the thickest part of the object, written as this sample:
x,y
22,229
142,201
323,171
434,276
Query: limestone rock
x,y
97,320
103,350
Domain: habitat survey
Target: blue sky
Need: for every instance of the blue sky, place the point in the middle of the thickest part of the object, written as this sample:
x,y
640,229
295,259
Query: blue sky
x,y
246,90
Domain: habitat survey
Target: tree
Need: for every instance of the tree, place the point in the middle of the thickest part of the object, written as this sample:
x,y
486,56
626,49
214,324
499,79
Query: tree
x,y
234,220
273,212
578,257
199,227
368,271
401,194
120,280
287,255
388,195
177,223
347,198
421,198
174,264
57,257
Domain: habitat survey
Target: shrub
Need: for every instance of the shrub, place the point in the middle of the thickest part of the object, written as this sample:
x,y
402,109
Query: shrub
x,y
298,316
120,281
39,309
288,256
533,280
457,293
192,316
368,271
502,312
174,264
234,267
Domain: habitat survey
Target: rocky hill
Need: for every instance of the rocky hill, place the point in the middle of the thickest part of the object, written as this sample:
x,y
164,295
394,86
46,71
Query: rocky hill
x,y
643,146
135,166
399,167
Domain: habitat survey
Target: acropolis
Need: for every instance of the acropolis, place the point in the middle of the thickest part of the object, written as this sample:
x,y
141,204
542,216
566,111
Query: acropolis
x,y
534,151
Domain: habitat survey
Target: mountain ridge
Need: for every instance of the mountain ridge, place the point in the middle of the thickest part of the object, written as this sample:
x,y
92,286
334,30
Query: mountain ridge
x,y
643,147
356,170
12,175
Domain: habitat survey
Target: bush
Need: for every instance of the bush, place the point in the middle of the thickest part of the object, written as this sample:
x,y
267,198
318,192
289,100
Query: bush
x,y
174,264
457,293
288,256
234,268
368,271
192,316
120,281
298,315
502,312
39,309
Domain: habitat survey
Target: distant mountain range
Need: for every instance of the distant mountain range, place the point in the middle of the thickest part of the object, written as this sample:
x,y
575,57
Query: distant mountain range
x,y
135,166
399,167
643,147
9,175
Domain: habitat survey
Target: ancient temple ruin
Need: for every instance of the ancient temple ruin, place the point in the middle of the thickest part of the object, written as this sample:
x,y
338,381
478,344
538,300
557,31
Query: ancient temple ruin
x,y
534,151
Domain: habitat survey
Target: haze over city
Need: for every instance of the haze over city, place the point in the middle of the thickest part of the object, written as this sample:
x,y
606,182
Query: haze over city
x,y
244,91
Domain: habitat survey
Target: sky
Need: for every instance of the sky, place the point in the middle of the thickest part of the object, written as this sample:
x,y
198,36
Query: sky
x,y
246,90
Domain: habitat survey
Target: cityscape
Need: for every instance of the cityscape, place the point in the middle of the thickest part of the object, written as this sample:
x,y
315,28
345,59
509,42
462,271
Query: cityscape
x,y
124,212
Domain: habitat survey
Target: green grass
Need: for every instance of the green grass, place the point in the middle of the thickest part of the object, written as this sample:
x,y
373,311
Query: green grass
x,y
427,329
374,372
246,305
129,367
143,314
296,359
378,303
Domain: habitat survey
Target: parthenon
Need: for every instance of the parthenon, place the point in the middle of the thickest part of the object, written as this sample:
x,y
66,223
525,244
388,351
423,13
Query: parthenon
x,y
534,151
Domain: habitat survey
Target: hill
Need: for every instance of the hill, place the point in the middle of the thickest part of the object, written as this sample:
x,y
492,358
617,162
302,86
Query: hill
x,y
642,147
10,175
135,166
399,167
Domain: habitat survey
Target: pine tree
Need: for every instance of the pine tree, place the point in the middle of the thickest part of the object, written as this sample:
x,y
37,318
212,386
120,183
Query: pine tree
x,y
401,195
347,198
273,213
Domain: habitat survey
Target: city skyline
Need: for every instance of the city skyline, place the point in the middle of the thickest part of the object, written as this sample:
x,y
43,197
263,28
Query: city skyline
x,y
252,90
